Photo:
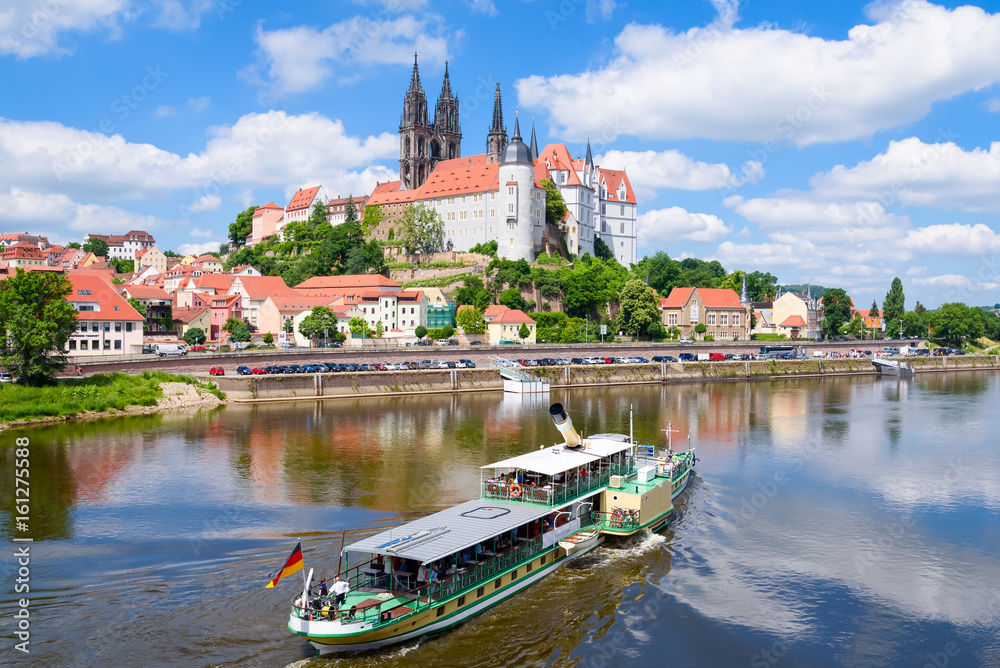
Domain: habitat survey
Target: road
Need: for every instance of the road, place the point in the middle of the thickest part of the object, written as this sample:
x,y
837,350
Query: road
x,y
200,363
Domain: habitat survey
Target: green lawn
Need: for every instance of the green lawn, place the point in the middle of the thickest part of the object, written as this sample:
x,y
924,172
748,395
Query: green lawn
x,y
98,393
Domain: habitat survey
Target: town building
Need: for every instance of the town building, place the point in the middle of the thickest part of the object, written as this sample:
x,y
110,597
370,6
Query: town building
x,y
124,246
159,307
797,316
283,306
423,143
266,223
505,327
344,313
301,205
151,257
337,209
720,310
24,238
106,323
199,317
335,286
23,255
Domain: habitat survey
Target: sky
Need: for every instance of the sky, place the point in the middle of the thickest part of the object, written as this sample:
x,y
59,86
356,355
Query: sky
x,y
841,144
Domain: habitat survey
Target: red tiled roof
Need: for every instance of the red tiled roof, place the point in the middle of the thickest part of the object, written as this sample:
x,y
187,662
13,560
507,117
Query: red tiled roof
x,y
348,281
613,178
302,199
146,292
794,321
261,287
22,251
183,314
222,282
494,309
719,298
512,315
111,305
269,205
678,297
557,156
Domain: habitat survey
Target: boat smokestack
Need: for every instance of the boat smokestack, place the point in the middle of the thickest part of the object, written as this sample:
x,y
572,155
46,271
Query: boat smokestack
x,y
565,426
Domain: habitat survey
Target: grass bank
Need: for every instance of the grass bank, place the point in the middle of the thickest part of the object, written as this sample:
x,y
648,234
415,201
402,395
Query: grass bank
x,y
99,394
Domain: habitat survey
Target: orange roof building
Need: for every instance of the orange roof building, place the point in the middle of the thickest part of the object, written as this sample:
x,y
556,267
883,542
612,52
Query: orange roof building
x,y
106,323
720,310
505,326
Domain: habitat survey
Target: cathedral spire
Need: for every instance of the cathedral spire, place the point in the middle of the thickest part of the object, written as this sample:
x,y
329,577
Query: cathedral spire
x,y
589,160
497,112
415,79
534,143
446,85
517,130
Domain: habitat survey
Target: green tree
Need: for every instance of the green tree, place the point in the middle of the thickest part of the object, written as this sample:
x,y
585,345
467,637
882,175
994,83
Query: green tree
x,y
639,307
36,322
97,246
422,229
472,292
75,245
761,286
238,332
379,330
700,328
471,320
350,211
359,327
373,216
447,332
955,321
194,336
137,305
488,248
511,298
523,333
170,253
318,215
269,339
663,272
601,250
288,326
836,310
857,325
122,266
242,227
893,308
920,309
914,324
555,207
420,332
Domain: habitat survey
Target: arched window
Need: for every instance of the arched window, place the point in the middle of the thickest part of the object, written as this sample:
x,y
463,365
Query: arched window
x,y
623,228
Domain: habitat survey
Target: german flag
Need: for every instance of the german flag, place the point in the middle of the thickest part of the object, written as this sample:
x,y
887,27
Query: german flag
x,y
292,565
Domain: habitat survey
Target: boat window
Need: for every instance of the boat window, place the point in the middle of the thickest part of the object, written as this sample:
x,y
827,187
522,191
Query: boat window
x,y
527,569
542,560
479,592
513,576
461,601
440,610
498,583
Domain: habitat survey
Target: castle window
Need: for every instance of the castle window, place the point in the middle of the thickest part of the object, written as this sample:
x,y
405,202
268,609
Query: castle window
x,y
623,210
510,190
510,208
724,319
736,319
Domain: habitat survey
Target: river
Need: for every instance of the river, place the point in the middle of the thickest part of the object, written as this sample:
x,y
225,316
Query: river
x,y
832,522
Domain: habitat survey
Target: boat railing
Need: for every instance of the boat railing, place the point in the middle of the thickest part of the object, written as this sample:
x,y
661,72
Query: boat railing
x,y
555,493
620,519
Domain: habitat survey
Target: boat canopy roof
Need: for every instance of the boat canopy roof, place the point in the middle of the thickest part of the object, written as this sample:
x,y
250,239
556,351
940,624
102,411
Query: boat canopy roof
x,y
452,530
559,458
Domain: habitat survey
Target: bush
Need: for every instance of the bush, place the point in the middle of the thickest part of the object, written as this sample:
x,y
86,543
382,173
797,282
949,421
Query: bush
x,y
769,337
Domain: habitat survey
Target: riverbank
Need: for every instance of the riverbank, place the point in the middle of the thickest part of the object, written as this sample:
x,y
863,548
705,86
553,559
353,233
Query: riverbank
x,y
292,387
104,395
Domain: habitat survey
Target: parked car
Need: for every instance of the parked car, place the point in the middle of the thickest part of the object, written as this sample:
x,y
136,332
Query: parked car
x,y
274,368
6,378
147,349
315,368
664,358
578,360
688,357
367,367
716,357
561,361
258,371
469,364
686,341
216,371
332,366
243,370
196,349
476,343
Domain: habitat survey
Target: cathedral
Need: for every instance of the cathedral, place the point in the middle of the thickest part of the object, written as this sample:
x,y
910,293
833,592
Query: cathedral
x,y
498,195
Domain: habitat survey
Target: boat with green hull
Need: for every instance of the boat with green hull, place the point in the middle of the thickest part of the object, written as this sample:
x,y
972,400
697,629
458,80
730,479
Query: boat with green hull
x,y
536,512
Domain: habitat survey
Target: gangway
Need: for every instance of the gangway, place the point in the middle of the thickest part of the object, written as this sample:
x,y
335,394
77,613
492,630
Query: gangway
x,y
514,379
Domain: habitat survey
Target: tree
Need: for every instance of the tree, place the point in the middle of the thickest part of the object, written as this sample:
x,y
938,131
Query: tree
x,y
857,325
359,327
523,332
914,324
97,246
194,336
75,245
379,330
237,329
488,248
288,326
420,332
555,207
373,216
470,319
269,339
836,310
137,305
472,292
601,250
761,286
700,328
36,322
422,229
242,227
350,212
893,308
511,298
170,253
662,271
447,332
639,307
122,266
955,321
919,309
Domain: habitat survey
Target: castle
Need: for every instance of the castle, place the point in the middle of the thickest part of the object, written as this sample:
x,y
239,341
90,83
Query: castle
x,y
498,195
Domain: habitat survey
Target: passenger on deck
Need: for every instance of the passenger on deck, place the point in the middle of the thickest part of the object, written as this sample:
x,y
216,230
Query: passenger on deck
x,y
323,591
340,588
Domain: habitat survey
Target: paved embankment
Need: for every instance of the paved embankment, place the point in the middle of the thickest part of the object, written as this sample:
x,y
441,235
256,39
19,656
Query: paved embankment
x,y
376,383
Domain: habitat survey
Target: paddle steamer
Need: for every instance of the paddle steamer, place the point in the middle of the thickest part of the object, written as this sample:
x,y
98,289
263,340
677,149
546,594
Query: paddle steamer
x,y
537,511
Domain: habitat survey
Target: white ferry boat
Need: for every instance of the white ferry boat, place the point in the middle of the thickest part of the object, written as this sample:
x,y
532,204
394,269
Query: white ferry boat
x,y
537,511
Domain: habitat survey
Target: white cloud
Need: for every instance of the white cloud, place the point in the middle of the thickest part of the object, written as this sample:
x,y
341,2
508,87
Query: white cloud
x,y
24,208
762,255
663,227
766,83
272,149
164,110
956,282
914,173
953,239
31,28
204,234
199,249
600,9
299,59
786,219
650,171
993,106
199,104
206,203
186,15
483,7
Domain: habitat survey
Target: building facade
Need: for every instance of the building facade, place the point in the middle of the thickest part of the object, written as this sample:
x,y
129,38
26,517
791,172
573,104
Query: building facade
x,y
724,316
423,143
124,246
106,323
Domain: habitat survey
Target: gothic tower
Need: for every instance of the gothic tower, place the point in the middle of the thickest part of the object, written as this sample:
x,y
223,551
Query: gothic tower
x,y
496,140
415,135
447,141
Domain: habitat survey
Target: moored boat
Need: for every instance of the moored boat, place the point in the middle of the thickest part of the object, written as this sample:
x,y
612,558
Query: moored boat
x,y
536,512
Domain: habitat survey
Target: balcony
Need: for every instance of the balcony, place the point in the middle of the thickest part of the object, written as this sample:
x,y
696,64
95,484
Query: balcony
x,y
554,494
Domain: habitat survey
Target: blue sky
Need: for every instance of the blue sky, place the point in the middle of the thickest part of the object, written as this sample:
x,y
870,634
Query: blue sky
x,y
838,143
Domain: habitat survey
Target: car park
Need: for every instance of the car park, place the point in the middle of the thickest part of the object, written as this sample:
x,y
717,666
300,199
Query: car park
x,y
216,371
243,370
664,358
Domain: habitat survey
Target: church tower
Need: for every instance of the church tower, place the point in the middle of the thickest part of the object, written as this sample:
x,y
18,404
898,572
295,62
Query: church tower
x,y
447,142
496,140
415,135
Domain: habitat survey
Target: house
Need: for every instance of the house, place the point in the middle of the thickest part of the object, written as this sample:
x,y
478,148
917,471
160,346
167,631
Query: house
x,y
124,246
23,254
440,309
106,323
344,313
871,320
300,207
255,291
25,238
337,209
151,257
283,306
244,270
791,308
720,310
333,286
159,306
267,221
189,318
223,307
505,327
209,264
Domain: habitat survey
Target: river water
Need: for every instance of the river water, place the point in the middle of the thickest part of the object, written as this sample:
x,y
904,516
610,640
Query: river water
x,y
833,522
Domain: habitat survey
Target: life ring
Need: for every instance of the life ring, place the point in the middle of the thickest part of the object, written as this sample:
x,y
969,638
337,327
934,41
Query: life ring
x,y
516,491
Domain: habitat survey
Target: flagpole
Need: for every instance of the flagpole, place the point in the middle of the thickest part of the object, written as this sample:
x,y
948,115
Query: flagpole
x,y
305,590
